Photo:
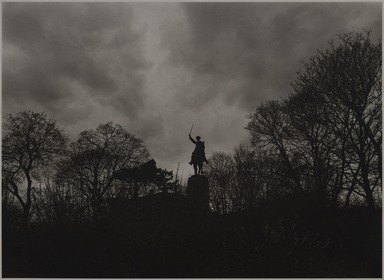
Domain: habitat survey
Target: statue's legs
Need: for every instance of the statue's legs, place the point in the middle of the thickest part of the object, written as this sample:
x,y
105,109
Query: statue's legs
x,y
201,168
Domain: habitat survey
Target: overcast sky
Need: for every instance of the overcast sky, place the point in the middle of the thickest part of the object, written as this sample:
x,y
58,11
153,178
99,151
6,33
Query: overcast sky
x,y
158,68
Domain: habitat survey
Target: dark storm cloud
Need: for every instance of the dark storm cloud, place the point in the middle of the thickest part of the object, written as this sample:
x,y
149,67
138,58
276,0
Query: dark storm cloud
x,y
158,68
57,51
258,47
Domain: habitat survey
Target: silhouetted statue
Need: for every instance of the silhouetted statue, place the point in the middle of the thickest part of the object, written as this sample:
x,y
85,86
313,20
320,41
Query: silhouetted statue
x,y
198,155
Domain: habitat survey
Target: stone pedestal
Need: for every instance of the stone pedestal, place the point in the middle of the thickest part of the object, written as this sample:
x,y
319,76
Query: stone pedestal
x,y
198,195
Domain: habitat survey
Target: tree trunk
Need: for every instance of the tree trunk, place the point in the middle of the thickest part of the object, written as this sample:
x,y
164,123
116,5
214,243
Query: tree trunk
x,y
97,209
25,219
291,172
28,203
376,144
348,198
366,185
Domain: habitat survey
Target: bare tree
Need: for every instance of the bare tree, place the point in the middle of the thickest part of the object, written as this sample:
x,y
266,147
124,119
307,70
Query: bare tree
x,y
270,129
346,80
58,204
31,143
95,158
248,180
314,140
220,171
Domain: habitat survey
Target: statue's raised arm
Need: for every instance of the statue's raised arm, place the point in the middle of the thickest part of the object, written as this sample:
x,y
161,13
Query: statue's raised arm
x,y
192,140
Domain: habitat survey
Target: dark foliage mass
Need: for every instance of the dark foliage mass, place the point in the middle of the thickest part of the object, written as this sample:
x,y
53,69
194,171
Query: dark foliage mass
x,y
302,199
259,243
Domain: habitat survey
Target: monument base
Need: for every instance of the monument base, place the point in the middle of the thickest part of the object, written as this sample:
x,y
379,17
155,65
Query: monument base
x,y
198,195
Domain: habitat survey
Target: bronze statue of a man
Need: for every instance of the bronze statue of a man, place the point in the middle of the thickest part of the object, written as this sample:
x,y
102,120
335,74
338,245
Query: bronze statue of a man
x,y
198,155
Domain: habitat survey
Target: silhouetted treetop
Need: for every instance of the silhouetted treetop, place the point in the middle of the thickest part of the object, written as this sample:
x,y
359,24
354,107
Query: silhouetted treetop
x,y
31,143
148,173
328,133
95,158
345,83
